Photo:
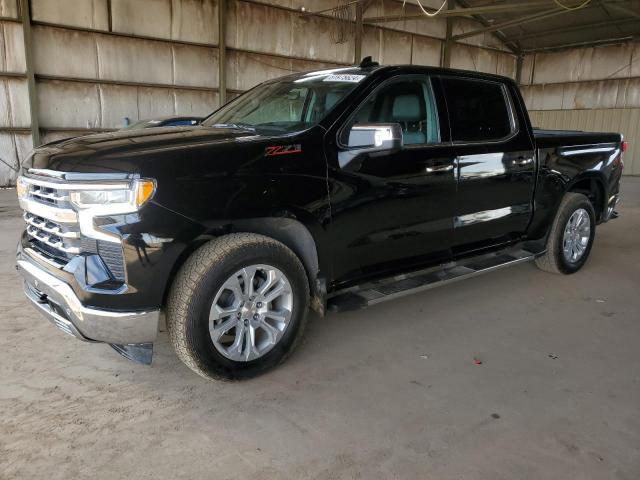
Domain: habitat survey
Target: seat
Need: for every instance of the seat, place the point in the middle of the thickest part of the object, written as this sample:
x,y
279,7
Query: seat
x,y
408,111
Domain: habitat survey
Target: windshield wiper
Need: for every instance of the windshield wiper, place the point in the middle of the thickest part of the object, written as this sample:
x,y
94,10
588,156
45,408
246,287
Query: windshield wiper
x,y
237,126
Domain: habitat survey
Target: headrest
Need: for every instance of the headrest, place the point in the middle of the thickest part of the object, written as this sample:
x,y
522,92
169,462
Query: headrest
x,y
406,108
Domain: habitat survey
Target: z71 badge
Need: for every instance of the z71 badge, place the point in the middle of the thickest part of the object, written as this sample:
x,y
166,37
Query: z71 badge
x,y
274,150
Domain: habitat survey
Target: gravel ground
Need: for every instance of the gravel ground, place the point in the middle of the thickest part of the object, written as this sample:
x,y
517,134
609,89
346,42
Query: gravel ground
x,y
387,392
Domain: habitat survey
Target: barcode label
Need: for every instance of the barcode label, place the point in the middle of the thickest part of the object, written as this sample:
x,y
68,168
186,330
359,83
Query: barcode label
x,y
343,78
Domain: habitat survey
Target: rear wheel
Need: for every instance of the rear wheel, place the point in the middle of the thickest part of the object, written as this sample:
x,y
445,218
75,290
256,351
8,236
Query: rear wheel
x,y
571,236
238,306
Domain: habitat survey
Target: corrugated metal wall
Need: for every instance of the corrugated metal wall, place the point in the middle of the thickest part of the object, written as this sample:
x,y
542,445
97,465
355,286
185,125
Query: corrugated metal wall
x,y
98,61
595,89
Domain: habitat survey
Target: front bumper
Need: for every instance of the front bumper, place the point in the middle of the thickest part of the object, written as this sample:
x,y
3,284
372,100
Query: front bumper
x,y
60,305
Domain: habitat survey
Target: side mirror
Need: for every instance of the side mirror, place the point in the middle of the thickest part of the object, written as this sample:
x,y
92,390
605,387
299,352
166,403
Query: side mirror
x,y
376,136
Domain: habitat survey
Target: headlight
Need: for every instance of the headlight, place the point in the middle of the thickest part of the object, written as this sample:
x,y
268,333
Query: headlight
x,y
22,187
114,200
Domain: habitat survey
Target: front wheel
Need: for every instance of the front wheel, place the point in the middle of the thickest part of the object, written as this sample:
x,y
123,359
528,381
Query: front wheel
x,y
237,306
571,236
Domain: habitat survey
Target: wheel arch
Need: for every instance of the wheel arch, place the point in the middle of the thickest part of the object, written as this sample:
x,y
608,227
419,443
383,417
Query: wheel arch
x,y
592,185
289,231
292,233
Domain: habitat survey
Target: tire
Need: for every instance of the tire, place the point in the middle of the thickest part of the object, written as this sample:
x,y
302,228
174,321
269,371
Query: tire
x,y
555,260
202,279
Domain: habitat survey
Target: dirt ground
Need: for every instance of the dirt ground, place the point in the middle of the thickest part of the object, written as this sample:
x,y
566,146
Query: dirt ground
x,y
388,392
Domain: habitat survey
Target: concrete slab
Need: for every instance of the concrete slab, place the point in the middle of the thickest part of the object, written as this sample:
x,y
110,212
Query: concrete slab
x,y
388,392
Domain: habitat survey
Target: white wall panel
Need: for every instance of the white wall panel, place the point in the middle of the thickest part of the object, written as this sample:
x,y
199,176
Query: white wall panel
x,y
186,20
64,52
623,93
387,46
150,18
195,21
245,70
311,39
583,64
68,104
472,58
134,60
93,106
195,66
14,110
11,48
87,13
117,102
426,51
189,102
8,8
87,55
395,48
259,28
13,148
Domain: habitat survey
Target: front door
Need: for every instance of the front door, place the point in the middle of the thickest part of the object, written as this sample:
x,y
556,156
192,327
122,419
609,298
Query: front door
x,y
393,210
495,164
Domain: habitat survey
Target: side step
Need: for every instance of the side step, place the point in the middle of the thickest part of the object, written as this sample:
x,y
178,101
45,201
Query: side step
x,y
370,293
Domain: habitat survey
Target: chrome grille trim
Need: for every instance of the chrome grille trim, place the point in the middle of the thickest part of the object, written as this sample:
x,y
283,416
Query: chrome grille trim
x,y
52,240
49,227
49,211
51,222
49,195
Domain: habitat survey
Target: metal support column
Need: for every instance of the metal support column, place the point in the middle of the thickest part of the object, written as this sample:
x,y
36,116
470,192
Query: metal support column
x,y
359,30
25,15
445,58
222,51
519,61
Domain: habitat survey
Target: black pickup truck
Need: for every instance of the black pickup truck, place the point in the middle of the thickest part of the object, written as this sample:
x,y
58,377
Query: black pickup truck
x,y
329,190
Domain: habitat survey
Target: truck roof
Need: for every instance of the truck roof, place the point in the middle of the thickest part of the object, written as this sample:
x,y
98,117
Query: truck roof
x,y
408,69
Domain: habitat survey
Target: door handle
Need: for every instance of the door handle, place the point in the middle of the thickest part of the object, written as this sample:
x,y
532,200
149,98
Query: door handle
x,y
440,168
522,161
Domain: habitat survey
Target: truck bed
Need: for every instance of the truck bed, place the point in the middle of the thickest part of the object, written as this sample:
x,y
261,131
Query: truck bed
x,y
565,138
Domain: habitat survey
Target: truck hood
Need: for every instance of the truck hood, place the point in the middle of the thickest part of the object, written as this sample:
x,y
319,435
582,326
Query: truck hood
x,y
125,150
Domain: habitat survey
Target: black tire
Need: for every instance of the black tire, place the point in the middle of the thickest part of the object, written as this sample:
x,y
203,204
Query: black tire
x,y
193,291
553,260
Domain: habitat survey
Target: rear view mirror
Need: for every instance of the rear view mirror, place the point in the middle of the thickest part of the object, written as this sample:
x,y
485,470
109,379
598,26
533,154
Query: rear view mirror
x,y
376,136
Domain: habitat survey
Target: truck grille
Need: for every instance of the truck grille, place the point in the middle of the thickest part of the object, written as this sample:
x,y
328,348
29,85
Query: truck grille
x,y
54,231
60,239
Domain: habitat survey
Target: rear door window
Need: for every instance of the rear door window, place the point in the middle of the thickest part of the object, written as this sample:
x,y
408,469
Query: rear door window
x,y
478,110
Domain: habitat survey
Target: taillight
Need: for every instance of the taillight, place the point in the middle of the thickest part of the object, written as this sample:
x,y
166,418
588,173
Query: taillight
x,y
623,146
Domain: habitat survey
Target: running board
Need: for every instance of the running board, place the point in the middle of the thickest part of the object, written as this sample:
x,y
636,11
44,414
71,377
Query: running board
x,y
370,293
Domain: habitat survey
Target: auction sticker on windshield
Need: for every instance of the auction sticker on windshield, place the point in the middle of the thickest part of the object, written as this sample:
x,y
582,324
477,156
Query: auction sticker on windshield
x,y
343,77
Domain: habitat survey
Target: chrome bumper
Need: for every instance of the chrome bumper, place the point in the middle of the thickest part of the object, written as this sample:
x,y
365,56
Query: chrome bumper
x,y
60,305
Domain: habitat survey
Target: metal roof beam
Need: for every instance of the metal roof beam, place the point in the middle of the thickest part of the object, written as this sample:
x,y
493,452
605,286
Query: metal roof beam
x,y
513,23
589,43
577,28
466,12
512,45
622,9
546,14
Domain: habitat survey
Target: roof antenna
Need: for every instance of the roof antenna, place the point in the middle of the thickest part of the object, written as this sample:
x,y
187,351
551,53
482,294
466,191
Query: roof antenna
x,y
367,62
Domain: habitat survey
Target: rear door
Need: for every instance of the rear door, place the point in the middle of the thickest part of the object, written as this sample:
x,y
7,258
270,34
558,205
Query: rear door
x,y
495,164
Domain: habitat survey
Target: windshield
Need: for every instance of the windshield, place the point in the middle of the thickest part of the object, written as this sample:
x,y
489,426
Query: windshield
x,y
286,106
